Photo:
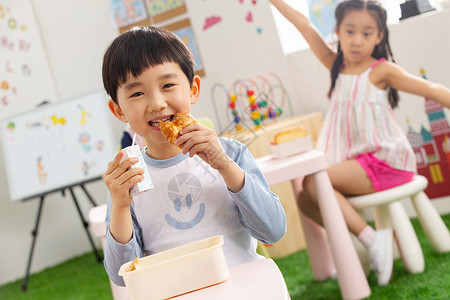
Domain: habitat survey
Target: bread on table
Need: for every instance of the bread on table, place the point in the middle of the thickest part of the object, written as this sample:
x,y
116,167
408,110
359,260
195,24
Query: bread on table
x,y
171,129
290,135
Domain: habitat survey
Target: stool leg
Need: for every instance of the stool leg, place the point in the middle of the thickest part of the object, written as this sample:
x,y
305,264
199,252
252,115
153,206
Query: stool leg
x,y
351,277
383,220
432,223
408,244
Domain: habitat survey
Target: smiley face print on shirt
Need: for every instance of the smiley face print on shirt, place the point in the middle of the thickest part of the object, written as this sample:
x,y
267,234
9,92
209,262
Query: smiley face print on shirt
x,y
184,191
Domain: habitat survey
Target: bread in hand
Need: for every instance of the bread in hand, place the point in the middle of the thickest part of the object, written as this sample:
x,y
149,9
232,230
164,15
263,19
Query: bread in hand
x,y
171,129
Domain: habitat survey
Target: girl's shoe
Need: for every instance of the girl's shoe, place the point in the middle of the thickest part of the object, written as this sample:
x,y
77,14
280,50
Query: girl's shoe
x,y
381,255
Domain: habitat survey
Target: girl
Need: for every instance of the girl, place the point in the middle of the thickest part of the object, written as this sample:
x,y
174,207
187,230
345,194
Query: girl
x,y
367,150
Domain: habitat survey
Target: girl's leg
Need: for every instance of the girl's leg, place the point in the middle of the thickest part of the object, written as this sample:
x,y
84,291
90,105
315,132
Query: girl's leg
x,y
347,178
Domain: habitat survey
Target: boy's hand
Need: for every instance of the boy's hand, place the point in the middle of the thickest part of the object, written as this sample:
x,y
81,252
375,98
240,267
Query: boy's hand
x,y
119,178
202,141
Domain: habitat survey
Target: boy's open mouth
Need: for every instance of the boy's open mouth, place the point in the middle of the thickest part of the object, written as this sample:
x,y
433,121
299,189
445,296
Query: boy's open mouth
x,y
156,123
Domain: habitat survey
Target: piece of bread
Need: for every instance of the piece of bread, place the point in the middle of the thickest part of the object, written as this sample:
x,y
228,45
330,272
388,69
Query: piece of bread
x,y
171,129
290,135
134,265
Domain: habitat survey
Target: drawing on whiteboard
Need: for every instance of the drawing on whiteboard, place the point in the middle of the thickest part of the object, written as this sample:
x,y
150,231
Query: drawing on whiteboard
x,y
84,141
84,115
42,175
59,151
10,128
56,120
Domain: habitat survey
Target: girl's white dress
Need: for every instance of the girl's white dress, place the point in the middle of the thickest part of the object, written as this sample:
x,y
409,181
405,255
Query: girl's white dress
x,y
360,120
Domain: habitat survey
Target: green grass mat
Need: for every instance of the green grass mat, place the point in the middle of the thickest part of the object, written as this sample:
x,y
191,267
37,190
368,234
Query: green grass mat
x,y
83,278
433,283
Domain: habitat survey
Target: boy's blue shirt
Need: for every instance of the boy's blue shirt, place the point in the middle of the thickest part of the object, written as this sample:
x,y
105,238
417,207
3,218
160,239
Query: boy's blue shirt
x,y
192,203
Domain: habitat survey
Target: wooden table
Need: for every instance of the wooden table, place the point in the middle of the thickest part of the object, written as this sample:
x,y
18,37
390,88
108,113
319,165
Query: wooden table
x,y
339,254
260,279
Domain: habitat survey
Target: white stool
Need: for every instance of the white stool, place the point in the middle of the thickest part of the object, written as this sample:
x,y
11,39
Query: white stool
x,y
97,223
389,213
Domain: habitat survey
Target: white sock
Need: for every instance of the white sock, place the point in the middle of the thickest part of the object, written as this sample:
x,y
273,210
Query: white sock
x,y
367,236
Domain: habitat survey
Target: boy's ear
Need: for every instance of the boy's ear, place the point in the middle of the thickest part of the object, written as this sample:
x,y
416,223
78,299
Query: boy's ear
x,y
117,111
195,89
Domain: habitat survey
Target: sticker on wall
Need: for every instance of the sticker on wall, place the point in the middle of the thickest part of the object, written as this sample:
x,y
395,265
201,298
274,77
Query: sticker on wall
x,y
211,21
432,149
249,17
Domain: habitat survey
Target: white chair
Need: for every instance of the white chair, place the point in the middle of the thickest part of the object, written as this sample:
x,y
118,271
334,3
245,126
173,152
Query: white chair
x,y
389,213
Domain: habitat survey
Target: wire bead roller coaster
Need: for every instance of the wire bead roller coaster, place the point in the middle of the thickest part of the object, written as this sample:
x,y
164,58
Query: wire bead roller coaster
x,y
254,102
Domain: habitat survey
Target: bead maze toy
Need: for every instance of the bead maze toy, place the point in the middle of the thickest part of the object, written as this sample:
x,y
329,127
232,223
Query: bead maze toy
x,y
259,100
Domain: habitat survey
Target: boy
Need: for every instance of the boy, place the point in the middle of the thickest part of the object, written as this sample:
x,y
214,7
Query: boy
x,y
211,186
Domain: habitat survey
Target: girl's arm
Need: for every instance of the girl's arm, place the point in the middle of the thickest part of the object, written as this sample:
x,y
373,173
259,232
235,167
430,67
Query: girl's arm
x,y
397,78
318,46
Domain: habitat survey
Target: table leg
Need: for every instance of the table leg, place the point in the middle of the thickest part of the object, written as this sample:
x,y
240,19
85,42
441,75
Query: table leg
x,y
351,277
319,253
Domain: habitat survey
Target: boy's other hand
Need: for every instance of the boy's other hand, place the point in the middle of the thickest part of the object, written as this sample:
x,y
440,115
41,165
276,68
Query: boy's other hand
x,y
204,142
120,177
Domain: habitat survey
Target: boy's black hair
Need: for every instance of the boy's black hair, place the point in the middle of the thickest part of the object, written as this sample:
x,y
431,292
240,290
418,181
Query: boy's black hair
x,y
132,52
381,50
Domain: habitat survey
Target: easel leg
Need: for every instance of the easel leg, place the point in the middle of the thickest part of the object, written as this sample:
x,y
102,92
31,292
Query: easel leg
x,y
88,195
85,225
34,234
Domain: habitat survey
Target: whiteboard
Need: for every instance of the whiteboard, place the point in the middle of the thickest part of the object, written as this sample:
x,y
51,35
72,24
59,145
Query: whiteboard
x,y
57,146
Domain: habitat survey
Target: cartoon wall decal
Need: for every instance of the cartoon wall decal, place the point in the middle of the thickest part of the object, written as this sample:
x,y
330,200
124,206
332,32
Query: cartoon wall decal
x,y
431,147
211,21
249,17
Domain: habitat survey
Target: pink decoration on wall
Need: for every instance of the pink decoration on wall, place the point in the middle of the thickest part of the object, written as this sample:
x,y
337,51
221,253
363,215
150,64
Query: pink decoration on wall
x,y
249,17
211,21
254,2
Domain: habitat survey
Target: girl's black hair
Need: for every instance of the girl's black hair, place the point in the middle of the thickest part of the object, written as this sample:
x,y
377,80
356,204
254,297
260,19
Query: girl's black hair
x,y
132,52
383,49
